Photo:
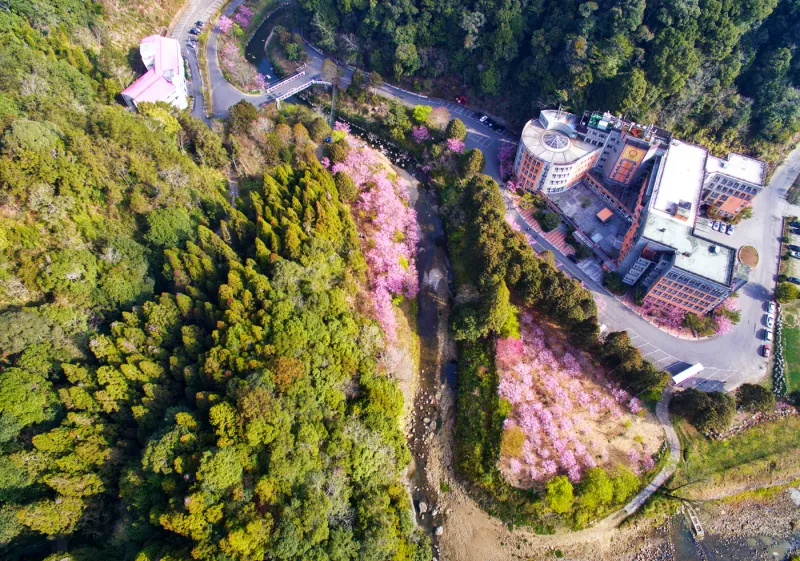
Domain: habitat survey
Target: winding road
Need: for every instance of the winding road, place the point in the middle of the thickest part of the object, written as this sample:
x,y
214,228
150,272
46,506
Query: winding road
x,y
729,360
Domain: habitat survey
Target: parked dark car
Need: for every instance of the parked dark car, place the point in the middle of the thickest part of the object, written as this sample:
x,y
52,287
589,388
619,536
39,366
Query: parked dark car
x,y
794,224
194,31
572,258
461,100
793,280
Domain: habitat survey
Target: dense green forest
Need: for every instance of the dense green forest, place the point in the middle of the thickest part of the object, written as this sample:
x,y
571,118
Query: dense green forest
x,y
722,72
181,378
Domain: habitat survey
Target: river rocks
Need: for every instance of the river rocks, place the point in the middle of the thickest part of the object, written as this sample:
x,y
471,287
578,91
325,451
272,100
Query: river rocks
x,y
423,508
439,530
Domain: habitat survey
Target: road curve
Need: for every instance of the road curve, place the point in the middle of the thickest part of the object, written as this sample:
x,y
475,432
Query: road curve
x,y
729,360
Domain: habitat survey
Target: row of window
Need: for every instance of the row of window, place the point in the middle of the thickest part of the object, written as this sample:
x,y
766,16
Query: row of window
x,y
676,300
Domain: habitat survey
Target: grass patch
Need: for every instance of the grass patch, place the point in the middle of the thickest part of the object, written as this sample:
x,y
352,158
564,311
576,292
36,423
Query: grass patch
x,y
748,255
791,344
751,458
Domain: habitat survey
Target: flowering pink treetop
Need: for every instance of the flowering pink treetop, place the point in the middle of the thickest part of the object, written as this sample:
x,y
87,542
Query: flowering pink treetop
x,y
225,24
420,134
260,81
723,323
506,155
242,16
732,304
455,145
552,405
392,231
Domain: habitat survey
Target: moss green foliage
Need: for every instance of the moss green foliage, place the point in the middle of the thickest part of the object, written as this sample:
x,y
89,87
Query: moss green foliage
x,y
183,378
787,292
420,114
90,191
240,116
549,221
473,162
724,74
754,398
706,411
752,453
613,281
456,129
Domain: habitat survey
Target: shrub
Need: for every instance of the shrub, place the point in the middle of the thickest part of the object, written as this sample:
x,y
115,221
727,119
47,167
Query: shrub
x,y
319,130
337,151
241,115
456,130
786,292
706,411
421,114
613,281
346,187
549,221
754,398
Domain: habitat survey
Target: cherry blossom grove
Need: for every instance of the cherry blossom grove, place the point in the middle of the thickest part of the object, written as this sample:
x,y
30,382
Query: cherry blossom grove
x,y
384,215
558,410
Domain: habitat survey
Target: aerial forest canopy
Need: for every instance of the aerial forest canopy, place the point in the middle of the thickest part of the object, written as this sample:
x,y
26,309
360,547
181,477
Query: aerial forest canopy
x,y
722,72
180,377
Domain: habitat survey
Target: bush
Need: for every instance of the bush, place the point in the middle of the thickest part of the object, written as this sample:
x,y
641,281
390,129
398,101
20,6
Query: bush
x,y
346,187
754,398
549,221
473,162
706,411
319,130
337,151
786,292
613,281
582,252
421,114
456,129
240,116
703,326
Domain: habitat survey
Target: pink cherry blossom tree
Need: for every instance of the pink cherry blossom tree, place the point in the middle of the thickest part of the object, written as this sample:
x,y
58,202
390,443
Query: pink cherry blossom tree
x,y
455,145
225,24
389,222
420,134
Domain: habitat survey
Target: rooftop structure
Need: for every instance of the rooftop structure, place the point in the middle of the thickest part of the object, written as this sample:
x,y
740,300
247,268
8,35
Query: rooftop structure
x,y
164,80
738,167
678,192
554,145
693,254
551,157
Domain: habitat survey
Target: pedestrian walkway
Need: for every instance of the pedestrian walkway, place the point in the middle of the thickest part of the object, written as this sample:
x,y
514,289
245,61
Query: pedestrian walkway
x,y
557,237
592,269
662,413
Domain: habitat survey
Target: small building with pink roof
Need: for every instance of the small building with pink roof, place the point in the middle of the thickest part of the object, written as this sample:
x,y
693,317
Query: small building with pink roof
x,y
165,79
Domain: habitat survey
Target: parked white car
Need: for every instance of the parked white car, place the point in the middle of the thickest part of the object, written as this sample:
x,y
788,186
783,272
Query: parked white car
x,y
715,226
770,322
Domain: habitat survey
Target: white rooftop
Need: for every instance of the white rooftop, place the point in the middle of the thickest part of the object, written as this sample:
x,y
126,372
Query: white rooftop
x,y
554,144
739,167
692,254
681,180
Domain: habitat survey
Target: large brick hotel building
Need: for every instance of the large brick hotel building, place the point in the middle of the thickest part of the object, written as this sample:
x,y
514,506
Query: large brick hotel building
x,y
654,185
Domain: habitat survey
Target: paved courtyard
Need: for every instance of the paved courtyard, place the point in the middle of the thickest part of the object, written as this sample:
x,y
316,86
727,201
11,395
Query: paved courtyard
x,y
581,204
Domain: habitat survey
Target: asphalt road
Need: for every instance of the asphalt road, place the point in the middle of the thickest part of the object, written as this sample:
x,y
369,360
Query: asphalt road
x,y
728,360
